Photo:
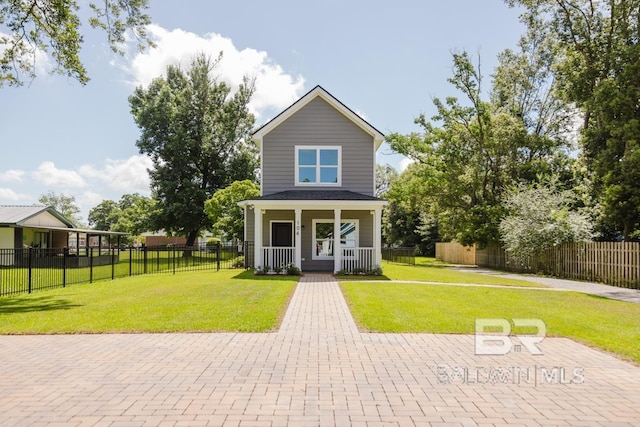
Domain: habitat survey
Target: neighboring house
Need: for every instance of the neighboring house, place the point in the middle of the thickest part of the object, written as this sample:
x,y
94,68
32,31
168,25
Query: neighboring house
x,y
41,227
33,226
317,182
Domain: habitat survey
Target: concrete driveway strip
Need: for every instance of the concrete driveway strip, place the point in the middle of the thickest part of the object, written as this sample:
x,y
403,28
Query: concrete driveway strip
x,y
598,289
318,369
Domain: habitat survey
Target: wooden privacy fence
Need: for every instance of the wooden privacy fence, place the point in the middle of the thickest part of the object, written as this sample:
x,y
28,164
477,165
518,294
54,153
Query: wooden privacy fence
x,y
613,263
455,253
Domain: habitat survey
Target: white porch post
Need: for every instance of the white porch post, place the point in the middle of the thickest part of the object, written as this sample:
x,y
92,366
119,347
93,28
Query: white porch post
x,y
257,237
337,250
377,237
297,252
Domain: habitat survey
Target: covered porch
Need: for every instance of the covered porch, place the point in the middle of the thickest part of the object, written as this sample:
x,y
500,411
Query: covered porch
x,y
303,233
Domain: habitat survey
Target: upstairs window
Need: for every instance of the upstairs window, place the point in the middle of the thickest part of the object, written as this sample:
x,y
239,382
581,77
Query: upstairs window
x,y
318,165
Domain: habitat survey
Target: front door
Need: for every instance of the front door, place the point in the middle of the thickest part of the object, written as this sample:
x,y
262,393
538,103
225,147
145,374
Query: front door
x,y
282,234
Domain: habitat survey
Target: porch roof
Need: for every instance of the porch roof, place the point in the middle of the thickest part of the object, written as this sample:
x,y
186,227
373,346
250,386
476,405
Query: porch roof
x,y
315,199
317,195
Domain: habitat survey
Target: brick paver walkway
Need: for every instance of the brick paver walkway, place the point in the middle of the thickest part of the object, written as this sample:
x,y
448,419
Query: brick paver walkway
x,y
316,370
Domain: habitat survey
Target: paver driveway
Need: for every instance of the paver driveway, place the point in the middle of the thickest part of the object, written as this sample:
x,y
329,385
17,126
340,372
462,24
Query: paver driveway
x,y
316,370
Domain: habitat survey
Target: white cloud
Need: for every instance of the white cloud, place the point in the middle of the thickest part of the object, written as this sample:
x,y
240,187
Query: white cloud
x,y
404,163
275,89
10,196
12,175
126,175
88,200
49,175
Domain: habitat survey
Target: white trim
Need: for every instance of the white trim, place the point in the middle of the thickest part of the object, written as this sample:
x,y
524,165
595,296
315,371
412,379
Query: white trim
x,y
377,236
271,230
297,256
262,169
337,239
257,234
318,166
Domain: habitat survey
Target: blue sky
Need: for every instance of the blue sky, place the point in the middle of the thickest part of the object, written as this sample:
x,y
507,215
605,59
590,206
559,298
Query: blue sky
x,y
385,60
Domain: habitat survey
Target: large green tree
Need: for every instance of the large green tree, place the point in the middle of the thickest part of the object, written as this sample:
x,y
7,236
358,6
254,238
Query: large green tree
x,y
598,64
385,176
474,147
408,219
197,135
224,212
30,28
64,204
131,215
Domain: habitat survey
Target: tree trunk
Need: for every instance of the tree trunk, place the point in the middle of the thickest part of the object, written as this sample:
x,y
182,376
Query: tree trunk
x,y
191,241
626,231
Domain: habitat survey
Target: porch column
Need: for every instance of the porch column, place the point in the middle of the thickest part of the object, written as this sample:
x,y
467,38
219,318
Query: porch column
x,y
337,250
297,252
257,237
377,237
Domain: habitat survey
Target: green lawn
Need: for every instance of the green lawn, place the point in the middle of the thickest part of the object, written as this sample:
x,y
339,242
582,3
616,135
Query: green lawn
x,y
401,307
229,300
233,300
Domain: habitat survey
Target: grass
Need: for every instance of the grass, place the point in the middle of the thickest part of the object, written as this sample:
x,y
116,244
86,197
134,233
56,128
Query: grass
x,y
402,307
231,301
189,302
431,270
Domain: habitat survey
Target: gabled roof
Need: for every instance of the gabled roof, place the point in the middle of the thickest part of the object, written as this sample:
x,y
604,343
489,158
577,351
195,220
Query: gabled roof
x,y
318,91
17,215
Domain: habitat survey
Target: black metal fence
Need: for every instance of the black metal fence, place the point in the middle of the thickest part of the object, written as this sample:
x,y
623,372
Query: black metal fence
x,y
400,255
32,269
28,270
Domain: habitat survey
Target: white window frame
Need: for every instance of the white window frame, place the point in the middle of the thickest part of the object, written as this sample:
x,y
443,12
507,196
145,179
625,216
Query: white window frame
x,y
317,183
316,257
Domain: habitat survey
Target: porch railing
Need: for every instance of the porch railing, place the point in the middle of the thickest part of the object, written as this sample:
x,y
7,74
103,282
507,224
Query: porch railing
x,y
277,256
354,259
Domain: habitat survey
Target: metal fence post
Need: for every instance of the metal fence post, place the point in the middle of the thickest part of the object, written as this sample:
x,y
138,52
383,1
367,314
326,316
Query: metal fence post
x,y
130,258
65,254
90,253
218,255
145,258
113,263
29,264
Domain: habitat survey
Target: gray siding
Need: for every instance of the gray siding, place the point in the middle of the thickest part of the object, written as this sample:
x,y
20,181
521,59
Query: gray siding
x,y
317,123
274,215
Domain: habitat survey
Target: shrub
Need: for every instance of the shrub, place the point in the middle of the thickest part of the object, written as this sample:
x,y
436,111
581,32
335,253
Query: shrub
x,y
292,270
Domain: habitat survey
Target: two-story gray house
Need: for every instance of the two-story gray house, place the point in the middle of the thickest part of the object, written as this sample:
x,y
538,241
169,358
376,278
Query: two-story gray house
x,y
317,182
